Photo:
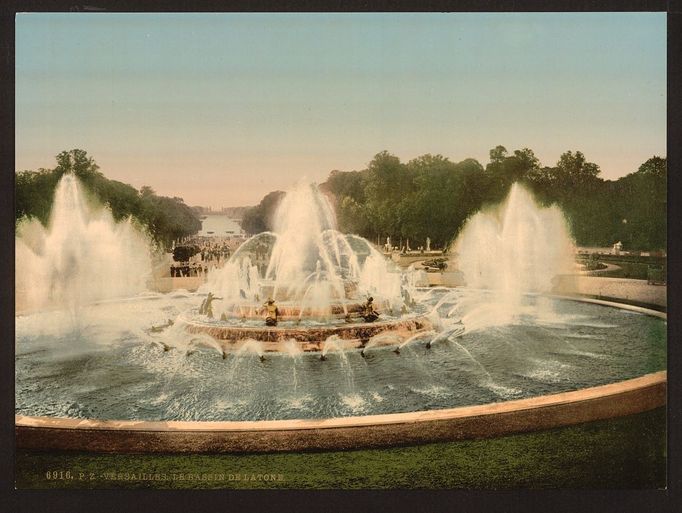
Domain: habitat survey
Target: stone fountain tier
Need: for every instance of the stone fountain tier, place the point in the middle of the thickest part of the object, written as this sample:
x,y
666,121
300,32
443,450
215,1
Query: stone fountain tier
x,y
308,338
295,312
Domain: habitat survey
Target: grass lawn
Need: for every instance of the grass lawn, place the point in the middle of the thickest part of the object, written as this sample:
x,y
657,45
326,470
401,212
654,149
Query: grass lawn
x,y
628,452
631,270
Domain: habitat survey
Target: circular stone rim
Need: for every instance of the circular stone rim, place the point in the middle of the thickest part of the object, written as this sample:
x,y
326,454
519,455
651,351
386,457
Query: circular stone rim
x,y
488,420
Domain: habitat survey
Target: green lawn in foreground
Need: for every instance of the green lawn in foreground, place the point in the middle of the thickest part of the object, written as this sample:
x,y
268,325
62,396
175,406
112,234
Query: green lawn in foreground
x,y
628,452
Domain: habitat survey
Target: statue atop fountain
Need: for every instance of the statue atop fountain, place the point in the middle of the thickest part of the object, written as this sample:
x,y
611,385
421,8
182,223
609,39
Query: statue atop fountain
x,y
206,307
368,311
271,312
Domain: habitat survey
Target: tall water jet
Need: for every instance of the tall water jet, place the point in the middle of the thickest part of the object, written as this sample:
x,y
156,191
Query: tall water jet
x,y
138,368
304,245
515,249
316,274
82,255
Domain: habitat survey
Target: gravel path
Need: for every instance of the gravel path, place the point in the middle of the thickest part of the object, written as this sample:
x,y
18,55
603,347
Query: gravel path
x,y
638,291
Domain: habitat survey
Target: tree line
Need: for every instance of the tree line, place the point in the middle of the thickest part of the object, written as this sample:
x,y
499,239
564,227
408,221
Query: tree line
x,y
165,219
431,196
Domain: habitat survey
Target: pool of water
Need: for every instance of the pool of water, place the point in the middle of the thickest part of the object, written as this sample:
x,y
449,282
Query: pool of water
x,y
104,362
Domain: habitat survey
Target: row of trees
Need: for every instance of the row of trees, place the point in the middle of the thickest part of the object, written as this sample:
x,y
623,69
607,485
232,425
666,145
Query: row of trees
x,y
261,217
431,196
165,219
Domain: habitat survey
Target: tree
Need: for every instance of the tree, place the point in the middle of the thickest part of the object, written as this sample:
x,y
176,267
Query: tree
x,y
504,170
640,198
79,163
527,159
430,196
261,217
573,170
146,191
387,181
498,154
655,167
166,219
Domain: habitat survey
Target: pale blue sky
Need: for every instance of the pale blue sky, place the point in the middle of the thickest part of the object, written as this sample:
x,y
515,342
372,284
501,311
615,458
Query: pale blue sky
x,y
222,108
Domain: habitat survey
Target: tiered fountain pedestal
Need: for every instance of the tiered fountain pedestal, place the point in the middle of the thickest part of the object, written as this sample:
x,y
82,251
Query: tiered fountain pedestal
x,y
352,335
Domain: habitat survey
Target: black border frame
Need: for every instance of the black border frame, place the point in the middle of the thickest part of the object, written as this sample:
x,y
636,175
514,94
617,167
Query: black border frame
x,y
338,500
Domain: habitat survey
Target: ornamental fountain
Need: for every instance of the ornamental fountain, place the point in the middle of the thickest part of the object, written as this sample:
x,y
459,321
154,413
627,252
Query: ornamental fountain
x,y
318,277
100,367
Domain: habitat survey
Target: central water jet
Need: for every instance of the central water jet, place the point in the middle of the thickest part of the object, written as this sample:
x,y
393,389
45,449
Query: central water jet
x,y
319,278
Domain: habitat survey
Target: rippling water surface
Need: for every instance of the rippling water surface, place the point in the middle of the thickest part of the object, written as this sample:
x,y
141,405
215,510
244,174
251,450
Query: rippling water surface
x,y
105,362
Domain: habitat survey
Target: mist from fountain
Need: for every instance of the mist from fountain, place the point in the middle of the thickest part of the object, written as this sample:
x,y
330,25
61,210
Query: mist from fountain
x,y
306,265
82,255
510,251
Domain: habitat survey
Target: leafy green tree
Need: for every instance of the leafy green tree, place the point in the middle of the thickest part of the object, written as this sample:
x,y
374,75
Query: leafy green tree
x,y
346,190
386,182
33,193
527,160
498,154
261,217
640,201
504,170
573,171
146,191
79,163
430,196
655,167
165,219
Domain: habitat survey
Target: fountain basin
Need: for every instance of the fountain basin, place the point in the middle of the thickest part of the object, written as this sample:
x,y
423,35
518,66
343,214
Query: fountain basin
x,y
427,424
484,421
524,361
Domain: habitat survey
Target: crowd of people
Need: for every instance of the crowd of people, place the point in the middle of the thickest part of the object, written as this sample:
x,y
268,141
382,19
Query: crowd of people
x,y
188,269
216,252
213,253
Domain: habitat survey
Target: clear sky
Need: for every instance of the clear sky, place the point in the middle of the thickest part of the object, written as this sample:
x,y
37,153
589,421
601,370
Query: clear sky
x,y
222,108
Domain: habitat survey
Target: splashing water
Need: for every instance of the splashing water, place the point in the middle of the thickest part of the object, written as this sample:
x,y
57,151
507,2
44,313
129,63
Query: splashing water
x,y
292,349
426,335
516,249
82,256
384,339
334,343
307,266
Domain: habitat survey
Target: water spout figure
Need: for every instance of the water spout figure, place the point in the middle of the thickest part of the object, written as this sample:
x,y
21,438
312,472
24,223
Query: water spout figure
x,y
419,336
332,343
251,346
